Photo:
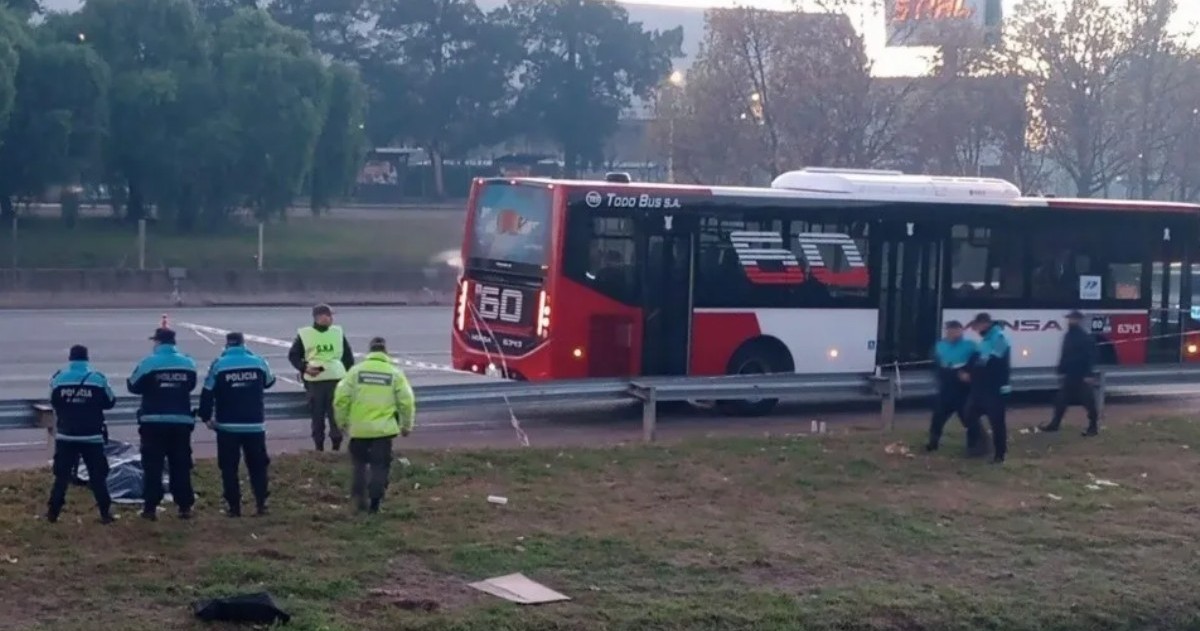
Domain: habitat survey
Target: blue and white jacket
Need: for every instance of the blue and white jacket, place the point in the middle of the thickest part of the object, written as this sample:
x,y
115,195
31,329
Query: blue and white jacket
x,y
79,396
165,380
234,386
993,363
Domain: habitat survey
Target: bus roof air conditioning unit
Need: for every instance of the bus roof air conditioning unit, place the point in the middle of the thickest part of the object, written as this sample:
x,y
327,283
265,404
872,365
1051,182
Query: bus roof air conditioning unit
x,y
895,186
617,177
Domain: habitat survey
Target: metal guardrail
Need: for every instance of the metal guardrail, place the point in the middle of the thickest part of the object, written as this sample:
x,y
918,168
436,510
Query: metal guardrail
x,y
838,388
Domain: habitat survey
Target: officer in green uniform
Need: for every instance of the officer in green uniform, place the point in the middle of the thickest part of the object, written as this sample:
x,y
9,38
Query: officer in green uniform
x,y
322,354
373,404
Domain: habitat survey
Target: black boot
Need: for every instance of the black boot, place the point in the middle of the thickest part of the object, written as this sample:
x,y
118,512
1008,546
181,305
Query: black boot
x,y
52,515
150,514
233,510
337,444
106,518
374,506
261,510
185,513
319,445
931,446
1049,428
1092,430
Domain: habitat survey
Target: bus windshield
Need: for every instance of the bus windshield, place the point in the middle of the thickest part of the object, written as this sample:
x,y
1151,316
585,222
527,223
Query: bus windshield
x,y
511,228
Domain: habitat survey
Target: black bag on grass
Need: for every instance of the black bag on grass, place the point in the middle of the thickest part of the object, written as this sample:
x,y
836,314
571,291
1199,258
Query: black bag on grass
x,y
257,608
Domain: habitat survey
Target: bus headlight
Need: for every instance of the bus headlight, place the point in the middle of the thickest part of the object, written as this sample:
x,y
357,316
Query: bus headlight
x,y
543,314
460,307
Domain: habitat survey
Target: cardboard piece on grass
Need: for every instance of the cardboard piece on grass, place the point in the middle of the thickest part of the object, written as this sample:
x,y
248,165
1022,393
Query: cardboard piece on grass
x,y
519,589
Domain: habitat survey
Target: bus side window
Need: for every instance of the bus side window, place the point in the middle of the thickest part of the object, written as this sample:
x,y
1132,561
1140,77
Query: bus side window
x,y
986,263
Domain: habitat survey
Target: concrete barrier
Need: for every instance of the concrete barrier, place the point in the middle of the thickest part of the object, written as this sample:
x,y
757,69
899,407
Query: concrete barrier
x,y
49,288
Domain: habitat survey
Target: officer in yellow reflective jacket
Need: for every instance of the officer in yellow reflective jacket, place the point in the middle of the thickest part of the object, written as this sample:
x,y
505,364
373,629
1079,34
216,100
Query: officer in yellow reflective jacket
x,y
373,404
322,354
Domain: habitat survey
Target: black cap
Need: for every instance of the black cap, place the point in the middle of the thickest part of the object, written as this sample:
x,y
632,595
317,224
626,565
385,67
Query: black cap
x,y
163,336
982,318
377,345
1075,315
78,353
322,309
234,338
954,324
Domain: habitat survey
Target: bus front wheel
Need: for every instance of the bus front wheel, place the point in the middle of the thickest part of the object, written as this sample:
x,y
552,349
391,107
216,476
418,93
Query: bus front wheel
x,y
759,358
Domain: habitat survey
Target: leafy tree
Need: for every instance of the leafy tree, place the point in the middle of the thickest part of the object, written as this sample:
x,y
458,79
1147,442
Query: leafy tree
x,y
342,143
153,49
57,122
585,62
12,38
23,8
277,91
456,63
334,27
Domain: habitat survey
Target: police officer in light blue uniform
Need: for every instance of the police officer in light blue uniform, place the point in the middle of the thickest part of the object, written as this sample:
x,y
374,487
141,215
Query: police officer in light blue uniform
x,y
232,404
990,386
79,396
952,355
165,381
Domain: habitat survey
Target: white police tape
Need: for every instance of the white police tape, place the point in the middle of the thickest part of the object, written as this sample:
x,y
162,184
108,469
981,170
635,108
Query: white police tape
x,y
201,329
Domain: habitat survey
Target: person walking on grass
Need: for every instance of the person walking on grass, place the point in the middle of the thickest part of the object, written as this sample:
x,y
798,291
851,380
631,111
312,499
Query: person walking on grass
x,y
373,404
1076,363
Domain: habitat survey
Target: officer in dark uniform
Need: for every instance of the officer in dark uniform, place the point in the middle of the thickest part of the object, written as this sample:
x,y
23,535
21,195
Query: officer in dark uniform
x,y
990,387
234,388
80,396
1076,363
953,356
165,381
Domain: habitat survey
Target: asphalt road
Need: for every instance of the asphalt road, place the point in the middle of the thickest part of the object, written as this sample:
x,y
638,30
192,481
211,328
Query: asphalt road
x,y
418,336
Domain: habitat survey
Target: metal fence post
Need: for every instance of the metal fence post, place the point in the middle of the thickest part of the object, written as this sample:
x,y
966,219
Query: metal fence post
x,y
885,388
260,245
649,398
142,244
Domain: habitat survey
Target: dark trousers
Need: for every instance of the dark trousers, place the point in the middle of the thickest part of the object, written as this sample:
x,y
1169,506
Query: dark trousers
x,y
372,458
1074,390
951,400
230,448
171,442
320,407
66,457
994,406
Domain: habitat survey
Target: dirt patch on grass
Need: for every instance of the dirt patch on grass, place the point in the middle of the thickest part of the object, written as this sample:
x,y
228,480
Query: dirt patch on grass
x,y
412,586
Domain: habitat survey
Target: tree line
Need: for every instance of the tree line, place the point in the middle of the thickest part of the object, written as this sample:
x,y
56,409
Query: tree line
x,y
199,109
1087,97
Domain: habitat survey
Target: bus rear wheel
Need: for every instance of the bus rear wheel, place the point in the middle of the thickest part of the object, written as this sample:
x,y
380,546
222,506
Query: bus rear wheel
x,y
757,359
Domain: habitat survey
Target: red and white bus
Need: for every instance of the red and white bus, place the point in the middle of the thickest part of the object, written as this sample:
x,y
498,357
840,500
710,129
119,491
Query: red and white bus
x,y
826,271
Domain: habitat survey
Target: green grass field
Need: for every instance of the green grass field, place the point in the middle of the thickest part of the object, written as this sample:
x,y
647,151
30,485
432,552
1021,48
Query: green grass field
x,y
299,243
836,532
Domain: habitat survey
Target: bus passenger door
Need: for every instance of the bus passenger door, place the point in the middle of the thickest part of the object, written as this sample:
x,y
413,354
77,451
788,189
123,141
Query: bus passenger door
x,y
911,258
666,250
